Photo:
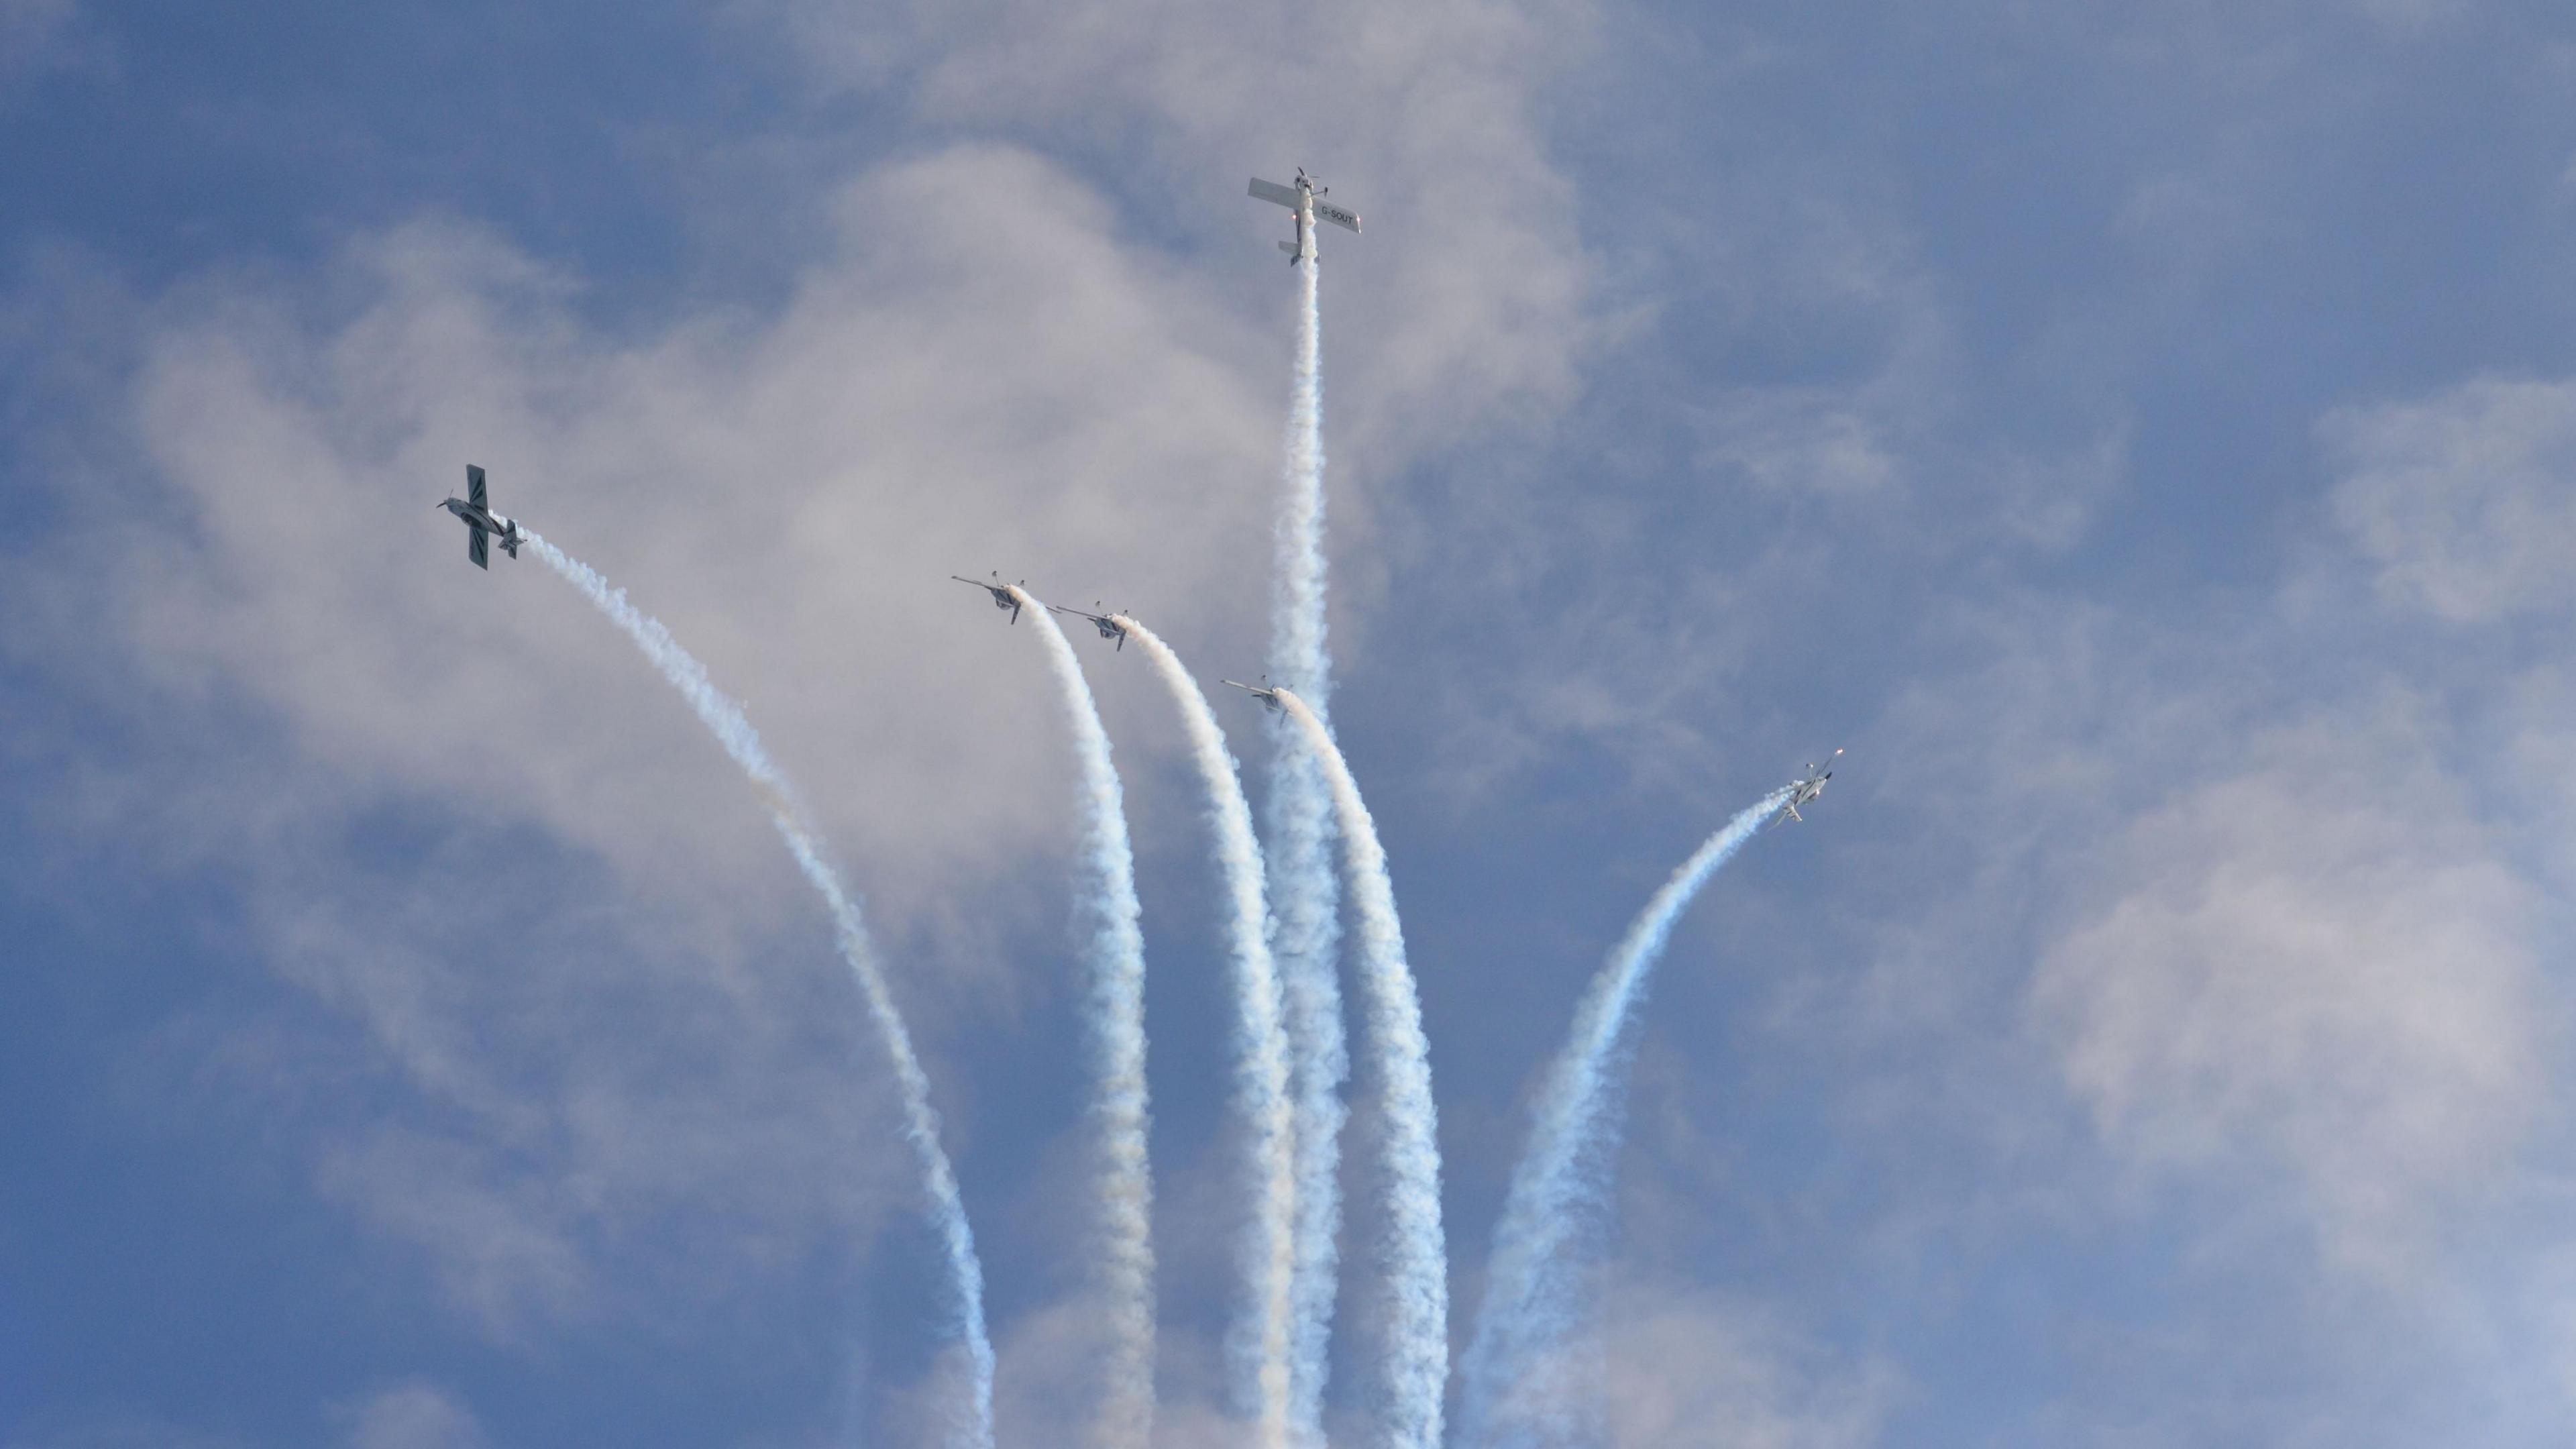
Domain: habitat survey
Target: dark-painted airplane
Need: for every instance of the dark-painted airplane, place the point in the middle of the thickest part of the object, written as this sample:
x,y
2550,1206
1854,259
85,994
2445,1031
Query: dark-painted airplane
x,y
1806,788
1108,624
1306,199
1265,691
1003,598
481,522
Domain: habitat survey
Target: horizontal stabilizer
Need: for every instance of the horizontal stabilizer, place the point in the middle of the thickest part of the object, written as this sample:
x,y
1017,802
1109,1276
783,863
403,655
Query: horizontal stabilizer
x,y
1326,211
1272,191
1289,247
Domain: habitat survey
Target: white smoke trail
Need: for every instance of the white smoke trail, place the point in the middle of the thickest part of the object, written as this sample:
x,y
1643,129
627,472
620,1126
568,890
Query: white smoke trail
x,y
1305,900
1520,1387
1417,1258
1258,1345
1107,907
733,730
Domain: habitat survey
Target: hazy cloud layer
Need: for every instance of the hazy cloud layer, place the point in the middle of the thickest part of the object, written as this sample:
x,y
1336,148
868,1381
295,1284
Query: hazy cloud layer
x,y
2315,963
2462,499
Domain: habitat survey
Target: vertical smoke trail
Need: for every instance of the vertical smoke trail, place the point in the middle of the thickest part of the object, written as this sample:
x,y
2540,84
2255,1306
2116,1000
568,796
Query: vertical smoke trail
x,y
1305,900
726,721
1107,909
1517,1388
1417,1259
1259,1343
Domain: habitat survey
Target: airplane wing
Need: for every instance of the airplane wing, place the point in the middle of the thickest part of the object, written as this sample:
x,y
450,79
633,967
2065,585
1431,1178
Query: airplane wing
x,y
1077,613
474,487
1272,191
478,544
1326,211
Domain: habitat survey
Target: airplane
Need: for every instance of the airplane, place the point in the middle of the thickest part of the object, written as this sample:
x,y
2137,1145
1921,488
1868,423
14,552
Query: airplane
x,y
481,522
1805,789
1306,199
1107,624
1265,691
1001,592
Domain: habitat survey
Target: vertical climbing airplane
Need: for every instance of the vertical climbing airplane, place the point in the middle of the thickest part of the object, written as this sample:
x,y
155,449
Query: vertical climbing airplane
x,y
1307,200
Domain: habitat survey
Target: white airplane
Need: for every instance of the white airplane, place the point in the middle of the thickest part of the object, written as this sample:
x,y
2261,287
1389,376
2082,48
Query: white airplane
x,y
1307,200
1265,691
481,522
1107,624
1003,598
1805,789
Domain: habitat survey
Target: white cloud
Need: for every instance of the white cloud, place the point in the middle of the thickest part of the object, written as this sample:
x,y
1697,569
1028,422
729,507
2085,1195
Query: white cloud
x,y
410,1416
2316,966
1465,300
2465,501
1693,1370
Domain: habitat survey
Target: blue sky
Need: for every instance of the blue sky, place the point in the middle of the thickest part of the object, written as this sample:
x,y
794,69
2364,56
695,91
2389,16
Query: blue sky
x,y
2140,434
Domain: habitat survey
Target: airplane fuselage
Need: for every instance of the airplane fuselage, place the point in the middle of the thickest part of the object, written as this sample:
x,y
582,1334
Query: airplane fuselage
x,y
480,517
1268,694
483,520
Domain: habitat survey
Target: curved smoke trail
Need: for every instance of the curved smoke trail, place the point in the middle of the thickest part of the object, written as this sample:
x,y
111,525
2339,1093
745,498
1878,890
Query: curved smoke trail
x,y
725,720
1517,1387
1259,1343
1108,911
1417,1257
1305,900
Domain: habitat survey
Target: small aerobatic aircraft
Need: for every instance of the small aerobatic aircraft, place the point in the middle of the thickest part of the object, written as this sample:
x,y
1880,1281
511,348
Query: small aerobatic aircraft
x,y
1805,789
1307,200
1003,598
1107,624
481,522
1265,691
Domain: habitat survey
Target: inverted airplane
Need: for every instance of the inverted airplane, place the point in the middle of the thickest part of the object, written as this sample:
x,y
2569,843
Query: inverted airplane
x,y
481,522
1107,624
1806,788
1265,691
1307,200
1003,598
